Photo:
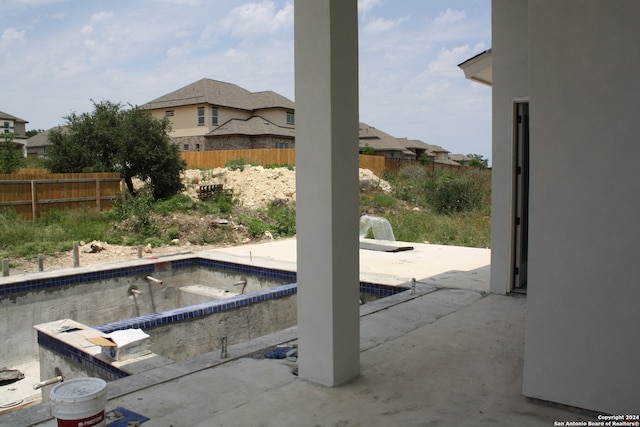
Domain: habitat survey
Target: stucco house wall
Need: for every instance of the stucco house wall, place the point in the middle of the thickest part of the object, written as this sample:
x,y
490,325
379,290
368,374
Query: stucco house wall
x,y
581,346
184,119
510,82
275,115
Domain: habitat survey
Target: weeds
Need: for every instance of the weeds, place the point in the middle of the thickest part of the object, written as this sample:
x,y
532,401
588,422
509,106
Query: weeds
x,y
280,165
238,164
450,207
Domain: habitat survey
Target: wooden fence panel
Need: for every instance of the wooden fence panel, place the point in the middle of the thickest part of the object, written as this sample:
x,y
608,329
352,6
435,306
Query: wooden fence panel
x,y
218,158
33,193
264,156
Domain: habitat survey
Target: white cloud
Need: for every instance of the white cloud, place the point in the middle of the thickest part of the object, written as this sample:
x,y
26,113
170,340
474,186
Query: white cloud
x,y
448,16
9,35
446,62
365,6
86,30
254,19
378,25
101,16
235,54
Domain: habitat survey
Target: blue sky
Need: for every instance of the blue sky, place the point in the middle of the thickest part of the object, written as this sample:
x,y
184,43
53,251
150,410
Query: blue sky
x,y
57,55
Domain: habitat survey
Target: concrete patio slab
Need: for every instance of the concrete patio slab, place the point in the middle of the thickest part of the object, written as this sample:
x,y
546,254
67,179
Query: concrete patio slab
x,y
443,356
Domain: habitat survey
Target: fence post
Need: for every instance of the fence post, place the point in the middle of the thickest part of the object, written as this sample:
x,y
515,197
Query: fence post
x,y
34,201
76,254
40,262
98,194
5,267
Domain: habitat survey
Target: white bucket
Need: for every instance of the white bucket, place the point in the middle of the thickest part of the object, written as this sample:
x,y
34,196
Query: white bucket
x,y
79,402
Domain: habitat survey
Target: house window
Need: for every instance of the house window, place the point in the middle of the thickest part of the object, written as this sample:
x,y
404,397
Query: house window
x,y
282,145
6,127
214,115
197,147
291,118
185,147
168,113
200,116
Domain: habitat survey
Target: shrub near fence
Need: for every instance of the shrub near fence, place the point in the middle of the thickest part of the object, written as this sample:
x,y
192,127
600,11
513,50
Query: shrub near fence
x,y
32,193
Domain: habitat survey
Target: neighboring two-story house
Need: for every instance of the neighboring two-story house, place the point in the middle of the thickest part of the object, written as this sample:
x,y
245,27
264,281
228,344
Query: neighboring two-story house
x,y
16,126
383,144
214,115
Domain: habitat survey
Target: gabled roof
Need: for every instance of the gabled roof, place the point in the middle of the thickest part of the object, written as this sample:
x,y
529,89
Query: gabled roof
x,y
214,92
379,141
446,162
271,99
253,126
459,157
42,139
8,116
436,148
415,144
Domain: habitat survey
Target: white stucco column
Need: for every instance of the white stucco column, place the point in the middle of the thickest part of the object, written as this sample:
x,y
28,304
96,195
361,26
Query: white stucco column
x,y
326,69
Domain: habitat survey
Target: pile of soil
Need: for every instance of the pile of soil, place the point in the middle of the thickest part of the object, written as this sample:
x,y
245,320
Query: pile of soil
x,y
254,187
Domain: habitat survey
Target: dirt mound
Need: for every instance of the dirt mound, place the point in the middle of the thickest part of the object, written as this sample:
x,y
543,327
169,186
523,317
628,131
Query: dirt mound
x,y
254,187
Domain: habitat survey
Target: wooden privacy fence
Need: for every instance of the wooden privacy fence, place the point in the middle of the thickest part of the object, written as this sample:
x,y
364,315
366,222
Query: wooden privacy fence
x,y
264,156
218,158
32,193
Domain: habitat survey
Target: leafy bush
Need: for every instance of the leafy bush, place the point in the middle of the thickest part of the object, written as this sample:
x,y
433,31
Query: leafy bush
x,y
448,194
384,200
177,203
409,184
368,150
255,226
173,232
10,157
284,216
138,210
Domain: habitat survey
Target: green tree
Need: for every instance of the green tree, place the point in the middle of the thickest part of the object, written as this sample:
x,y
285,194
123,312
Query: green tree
x,y
33,132
424,159
10,156
478,161
368,150
116,139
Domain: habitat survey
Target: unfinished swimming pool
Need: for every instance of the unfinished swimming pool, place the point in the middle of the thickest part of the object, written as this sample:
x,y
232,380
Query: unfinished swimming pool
x,y
185,303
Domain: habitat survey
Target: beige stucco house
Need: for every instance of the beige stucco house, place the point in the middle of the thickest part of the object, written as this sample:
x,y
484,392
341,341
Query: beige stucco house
x,y
17,126
565,211
383,144
38,143
214,115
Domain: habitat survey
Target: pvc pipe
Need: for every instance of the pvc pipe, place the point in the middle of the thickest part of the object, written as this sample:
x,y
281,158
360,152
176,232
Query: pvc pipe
x,y
50,381
154,280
